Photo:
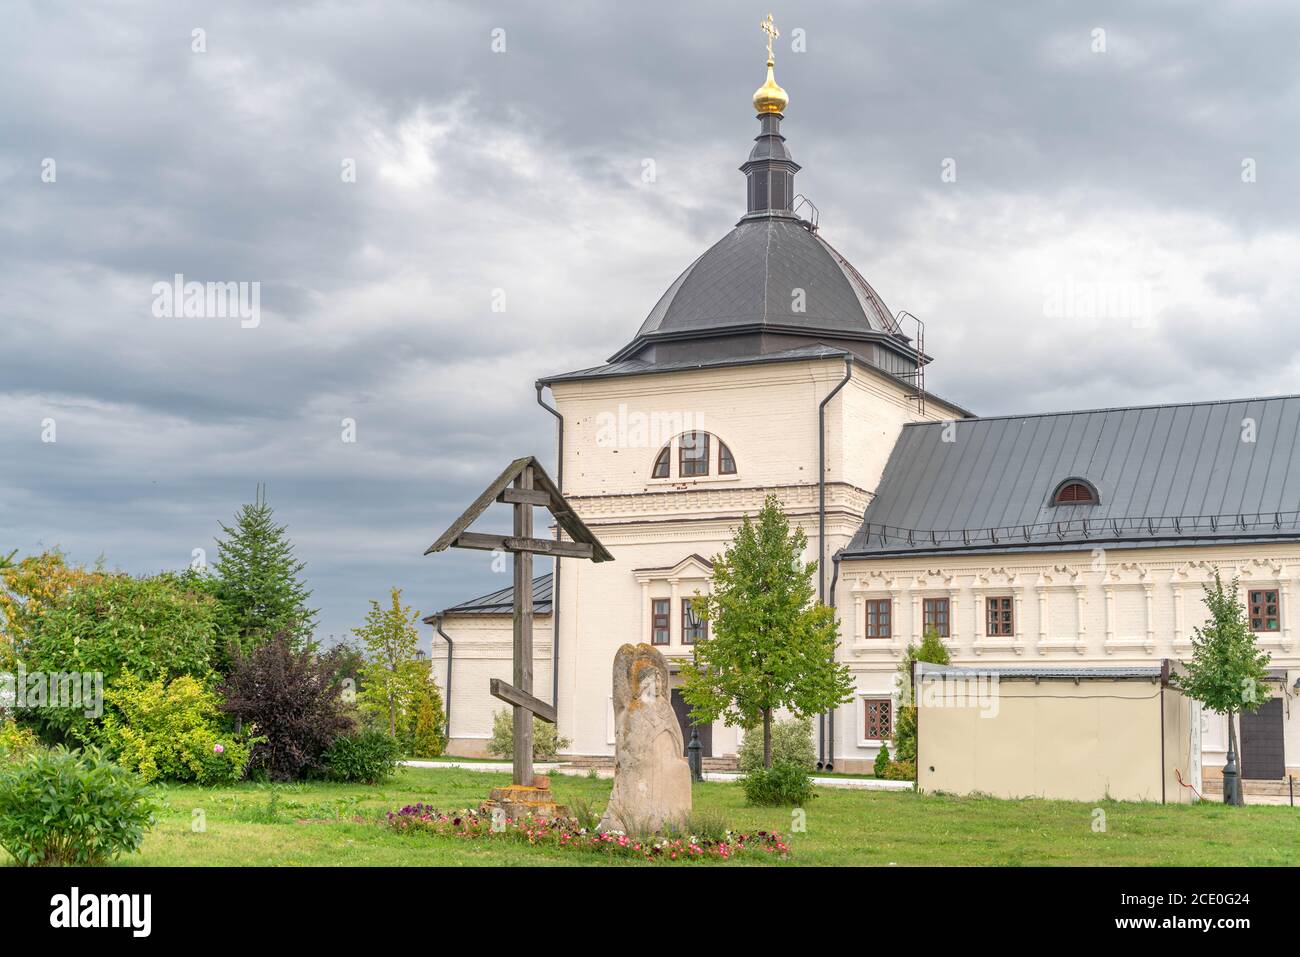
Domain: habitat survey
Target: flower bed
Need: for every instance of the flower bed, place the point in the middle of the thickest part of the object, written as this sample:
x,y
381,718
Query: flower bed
x,y
566,833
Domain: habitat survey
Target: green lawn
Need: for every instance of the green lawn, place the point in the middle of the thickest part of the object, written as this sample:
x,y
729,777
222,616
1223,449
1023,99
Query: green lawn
x,y
312,824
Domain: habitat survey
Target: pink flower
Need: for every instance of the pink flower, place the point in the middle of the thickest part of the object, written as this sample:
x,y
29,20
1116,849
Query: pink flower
x,y
218,749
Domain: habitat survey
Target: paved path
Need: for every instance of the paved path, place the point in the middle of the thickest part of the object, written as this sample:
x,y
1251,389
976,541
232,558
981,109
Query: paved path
x,y
497,767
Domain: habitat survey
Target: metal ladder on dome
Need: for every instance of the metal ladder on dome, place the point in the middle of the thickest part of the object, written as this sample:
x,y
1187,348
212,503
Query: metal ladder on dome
x,y
801,201
917,377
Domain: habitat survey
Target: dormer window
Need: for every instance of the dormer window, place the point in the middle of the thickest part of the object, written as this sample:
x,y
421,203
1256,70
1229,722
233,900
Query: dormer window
x,y
1075,492
697,455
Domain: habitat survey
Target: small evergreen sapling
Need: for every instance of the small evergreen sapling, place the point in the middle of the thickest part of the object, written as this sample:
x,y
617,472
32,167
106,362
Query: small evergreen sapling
x,y
881,766
932,651
428,721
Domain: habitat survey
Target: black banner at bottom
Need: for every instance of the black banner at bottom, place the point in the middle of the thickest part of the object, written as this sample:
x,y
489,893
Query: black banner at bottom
x,y
137,906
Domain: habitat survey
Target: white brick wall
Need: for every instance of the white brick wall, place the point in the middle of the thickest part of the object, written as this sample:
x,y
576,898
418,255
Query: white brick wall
x,y
767,416
483,651
1137,606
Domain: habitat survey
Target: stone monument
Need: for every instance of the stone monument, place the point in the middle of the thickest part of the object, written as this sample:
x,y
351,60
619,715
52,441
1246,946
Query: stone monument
x,y
652,781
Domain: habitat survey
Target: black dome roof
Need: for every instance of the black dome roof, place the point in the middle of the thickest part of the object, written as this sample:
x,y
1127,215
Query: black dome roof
x,y
771,284
750,277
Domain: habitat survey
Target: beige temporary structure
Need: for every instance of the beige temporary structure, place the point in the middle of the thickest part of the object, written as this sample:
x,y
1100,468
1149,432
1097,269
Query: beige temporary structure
x,y
1080,734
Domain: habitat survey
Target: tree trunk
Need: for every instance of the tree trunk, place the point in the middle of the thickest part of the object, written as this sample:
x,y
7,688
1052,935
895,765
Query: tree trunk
x,y
392,717
767,738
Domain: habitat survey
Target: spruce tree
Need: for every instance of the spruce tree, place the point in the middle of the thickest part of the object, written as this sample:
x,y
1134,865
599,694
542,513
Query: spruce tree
x,y
259,581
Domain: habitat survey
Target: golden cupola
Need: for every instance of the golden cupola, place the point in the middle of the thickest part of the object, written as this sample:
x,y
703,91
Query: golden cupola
x,y
769,171
770,98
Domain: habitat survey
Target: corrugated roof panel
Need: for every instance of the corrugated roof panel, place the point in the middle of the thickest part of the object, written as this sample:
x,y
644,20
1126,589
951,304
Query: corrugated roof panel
x,y
1282,459
1165,473
502,601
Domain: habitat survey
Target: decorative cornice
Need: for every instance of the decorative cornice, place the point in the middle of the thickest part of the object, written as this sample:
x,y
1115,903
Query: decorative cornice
x,y
678,504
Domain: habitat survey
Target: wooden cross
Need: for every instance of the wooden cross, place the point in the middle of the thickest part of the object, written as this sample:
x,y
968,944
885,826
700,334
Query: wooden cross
x,y
768,27
524,485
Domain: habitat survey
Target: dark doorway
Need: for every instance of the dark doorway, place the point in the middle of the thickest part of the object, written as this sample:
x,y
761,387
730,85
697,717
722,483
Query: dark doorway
x,y
1262,755
681,709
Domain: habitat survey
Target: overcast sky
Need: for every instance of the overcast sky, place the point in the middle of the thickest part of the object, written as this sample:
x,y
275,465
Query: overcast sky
x,y
1102,242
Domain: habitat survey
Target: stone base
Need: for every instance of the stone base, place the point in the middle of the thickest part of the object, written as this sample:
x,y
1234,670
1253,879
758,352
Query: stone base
x,y
520,801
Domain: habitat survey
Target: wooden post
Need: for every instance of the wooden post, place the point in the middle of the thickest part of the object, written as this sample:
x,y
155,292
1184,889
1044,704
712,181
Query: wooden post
x,y
524,485
523,645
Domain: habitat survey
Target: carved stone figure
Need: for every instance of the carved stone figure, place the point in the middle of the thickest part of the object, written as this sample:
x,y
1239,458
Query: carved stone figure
x,y
652,781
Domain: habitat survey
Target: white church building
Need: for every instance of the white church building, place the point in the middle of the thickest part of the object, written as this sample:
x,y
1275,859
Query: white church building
x,y
1072,540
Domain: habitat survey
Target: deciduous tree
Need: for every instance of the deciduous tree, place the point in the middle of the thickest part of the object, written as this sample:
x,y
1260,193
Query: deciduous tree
x,y
1227,670
392,675
770,645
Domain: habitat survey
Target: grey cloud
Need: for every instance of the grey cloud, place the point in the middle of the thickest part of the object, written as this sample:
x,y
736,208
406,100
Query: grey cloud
x,y
522,171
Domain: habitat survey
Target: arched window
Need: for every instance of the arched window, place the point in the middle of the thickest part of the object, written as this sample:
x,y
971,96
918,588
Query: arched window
x,y
661,463
693,454
1075,491
695,458
726,461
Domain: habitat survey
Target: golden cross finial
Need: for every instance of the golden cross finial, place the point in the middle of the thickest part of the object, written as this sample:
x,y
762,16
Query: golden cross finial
x,y
772,32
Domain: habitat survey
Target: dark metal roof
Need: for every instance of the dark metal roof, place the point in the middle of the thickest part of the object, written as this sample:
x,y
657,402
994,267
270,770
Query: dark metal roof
x,y
642,367
502,602
627,367
1147,673
748,278
1166,474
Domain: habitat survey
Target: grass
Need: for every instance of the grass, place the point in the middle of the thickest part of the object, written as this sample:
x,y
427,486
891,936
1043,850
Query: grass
x,y
314,824
452,759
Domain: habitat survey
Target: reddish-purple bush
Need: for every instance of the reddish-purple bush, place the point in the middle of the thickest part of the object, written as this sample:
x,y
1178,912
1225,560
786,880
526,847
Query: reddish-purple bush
x,y
291,700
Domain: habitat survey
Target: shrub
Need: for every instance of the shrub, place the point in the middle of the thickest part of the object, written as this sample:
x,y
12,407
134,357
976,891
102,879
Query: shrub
x,y
429,734
899,771
290,701
547,742
28,589
585,817
171,730
905,732
364,757
792,740
16,741
706,825
882,761
933,651
345,660
118,624
785,783
71,807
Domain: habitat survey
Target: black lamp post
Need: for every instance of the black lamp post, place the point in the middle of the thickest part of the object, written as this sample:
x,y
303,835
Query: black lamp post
x,y
693,758
1231,780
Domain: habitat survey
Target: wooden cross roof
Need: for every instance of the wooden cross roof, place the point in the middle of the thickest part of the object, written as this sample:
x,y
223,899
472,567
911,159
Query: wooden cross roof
x,y
547,496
